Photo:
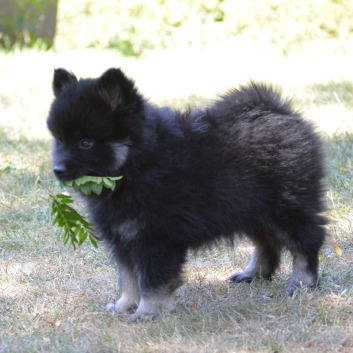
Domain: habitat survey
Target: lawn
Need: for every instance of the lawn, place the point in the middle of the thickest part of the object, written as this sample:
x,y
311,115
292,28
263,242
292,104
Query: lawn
x,y
52,297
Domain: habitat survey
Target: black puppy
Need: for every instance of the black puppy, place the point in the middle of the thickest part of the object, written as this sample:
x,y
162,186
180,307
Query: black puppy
x,y
247,165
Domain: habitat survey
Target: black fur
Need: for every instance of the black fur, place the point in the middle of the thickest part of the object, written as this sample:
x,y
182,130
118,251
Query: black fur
x,y
247,165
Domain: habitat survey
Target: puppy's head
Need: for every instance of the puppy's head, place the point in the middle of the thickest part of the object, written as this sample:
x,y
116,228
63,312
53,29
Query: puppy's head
x,y
94,123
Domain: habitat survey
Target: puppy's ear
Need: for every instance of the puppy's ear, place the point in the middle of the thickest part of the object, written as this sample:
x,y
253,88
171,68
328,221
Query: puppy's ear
x,y
115,88
62,79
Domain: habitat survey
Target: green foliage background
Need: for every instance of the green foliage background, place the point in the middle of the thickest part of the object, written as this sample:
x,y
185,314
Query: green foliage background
x,y
27,23
133,26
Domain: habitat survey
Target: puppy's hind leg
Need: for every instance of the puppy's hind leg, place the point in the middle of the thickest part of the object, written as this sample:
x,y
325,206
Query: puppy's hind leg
x,y
306,257
263,263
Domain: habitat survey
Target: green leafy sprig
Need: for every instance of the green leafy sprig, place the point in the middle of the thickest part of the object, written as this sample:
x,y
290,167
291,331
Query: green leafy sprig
x,y
92,185
76,227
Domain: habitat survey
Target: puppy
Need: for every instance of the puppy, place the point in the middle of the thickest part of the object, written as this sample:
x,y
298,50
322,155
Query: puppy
x,y
247,165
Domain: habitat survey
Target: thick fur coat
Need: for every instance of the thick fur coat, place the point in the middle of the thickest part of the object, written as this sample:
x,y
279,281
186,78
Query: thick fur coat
x,y
246,165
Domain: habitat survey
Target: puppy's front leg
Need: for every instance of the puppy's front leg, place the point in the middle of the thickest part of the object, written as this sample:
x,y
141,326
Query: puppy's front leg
x,y
159,275
130,296
152,304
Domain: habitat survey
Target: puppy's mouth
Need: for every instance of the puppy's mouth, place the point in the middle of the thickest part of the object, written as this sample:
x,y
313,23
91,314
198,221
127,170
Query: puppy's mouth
x,y
70,175
66,177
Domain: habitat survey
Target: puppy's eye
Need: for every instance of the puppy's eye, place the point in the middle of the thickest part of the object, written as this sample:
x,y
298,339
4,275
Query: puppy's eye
x,y
85,144
60,141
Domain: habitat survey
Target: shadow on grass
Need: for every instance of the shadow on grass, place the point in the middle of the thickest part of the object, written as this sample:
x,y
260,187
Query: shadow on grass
x,y
24,205
340,171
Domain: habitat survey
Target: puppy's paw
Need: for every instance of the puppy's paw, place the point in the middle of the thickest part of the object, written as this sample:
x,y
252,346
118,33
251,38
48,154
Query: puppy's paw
x,y
150,307
141,317
295,288
110,307
123,305
239,277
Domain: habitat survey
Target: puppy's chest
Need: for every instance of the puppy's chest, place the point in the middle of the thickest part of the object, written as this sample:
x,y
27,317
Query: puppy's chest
x,y
116,223
118,227
127,229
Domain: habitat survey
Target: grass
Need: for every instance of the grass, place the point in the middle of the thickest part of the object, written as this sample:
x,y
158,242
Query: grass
x,y
52,297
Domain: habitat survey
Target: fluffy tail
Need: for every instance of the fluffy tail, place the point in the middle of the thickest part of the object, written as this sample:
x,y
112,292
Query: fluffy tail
x,y
255,95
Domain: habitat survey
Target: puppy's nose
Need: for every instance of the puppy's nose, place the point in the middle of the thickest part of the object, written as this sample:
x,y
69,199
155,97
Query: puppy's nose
x,y
59,169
